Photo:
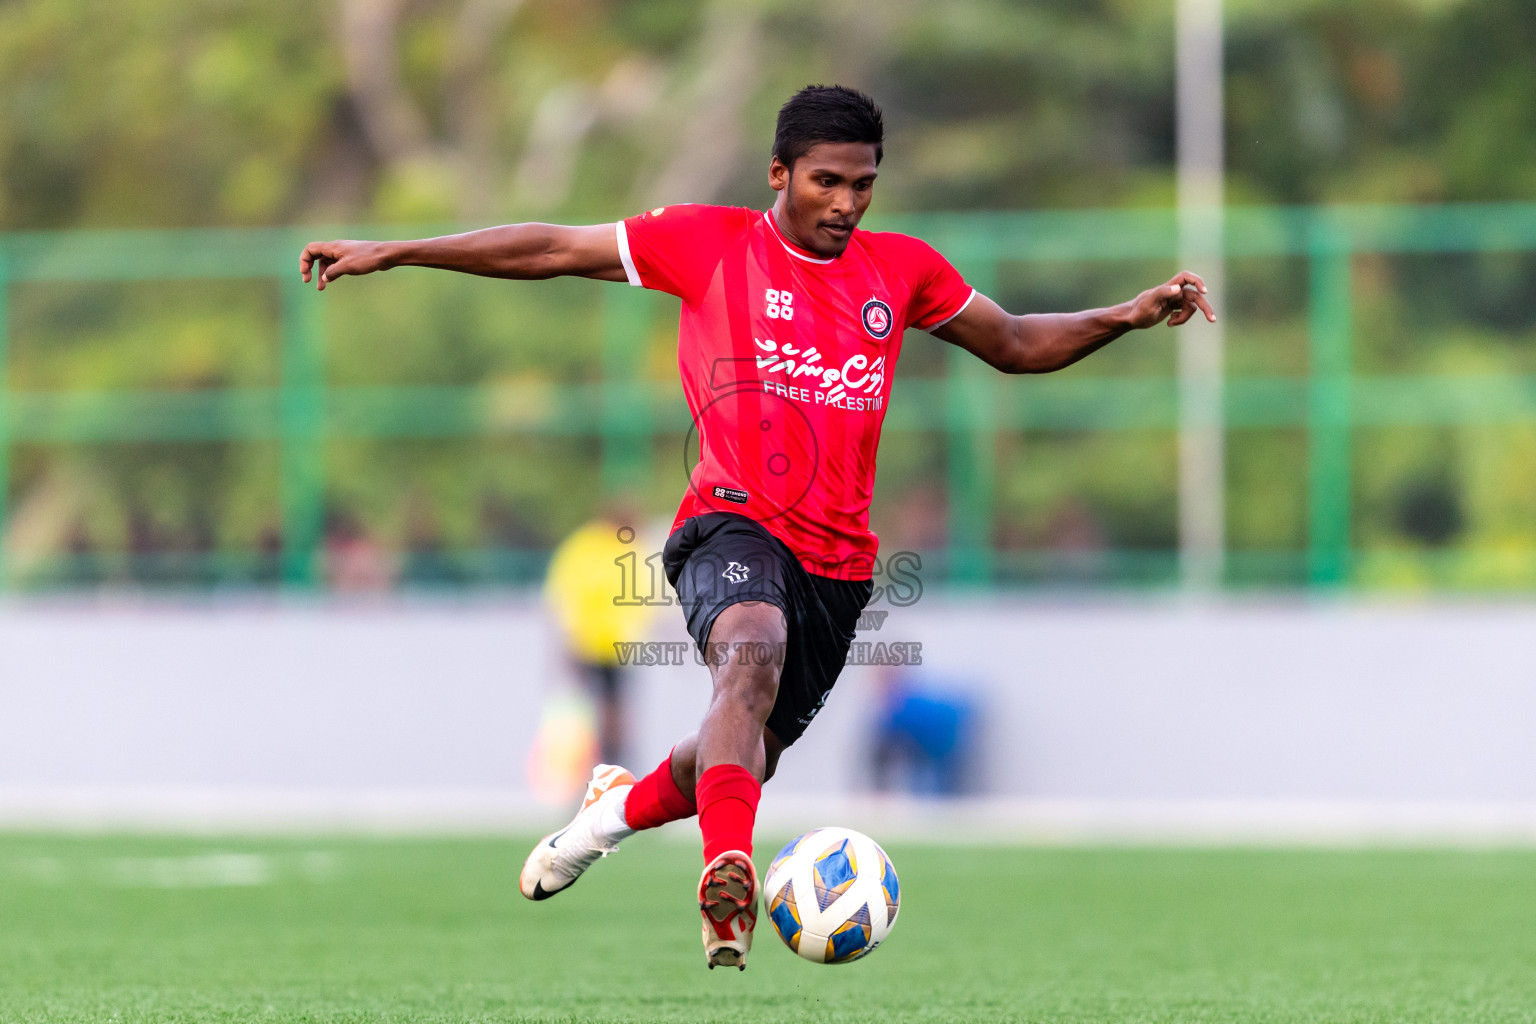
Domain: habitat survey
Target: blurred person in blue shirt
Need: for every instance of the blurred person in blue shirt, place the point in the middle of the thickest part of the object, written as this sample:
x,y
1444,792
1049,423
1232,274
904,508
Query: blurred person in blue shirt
x,y
924,737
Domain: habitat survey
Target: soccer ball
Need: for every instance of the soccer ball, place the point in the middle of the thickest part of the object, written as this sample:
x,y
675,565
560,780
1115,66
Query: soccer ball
x,y
832,895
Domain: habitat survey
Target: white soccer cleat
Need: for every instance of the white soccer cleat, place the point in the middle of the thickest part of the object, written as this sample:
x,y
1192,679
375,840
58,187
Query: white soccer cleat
x,y
728,903
561,857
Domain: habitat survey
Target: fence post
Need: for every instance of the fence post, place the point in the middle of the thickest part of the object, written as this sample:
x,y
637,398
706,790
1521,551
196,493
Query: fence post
x,y
5,418
1330,312
972,428
1201,186
302,409
626,412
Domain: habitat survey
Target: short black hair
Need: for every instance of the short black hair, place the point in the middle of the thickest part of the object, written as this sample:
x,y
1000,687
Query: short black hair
x,y
827,113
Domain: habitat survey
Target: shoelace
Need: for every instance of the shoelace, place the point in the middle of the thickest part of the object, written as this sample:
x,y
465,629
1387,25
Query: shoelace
x,y
579,850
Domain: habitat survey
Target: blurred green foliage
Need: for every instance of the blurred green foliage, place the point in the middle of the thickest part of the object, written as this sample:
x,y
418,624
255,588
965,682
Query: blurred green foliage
x,y
148,113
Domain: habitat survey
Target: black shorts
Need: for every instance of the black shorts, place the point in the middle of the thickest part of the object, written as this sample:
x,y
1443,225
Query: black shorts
x,y
720,558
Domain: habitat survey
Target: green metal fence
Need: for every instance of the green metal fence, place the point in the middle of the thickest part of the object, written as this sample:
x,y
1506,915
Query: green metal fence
x,y
966,406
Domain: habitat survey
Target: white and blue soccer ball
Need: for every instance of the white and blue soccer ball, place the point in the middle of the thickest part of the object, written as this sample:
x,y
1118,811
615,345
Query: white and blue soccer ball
x,y
832,895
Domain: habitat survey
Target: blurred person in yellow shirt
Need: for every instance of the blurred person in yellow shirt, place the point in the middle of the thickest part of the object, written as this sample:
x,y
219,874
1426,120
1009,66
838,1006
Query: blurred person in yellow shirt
x,y
585,591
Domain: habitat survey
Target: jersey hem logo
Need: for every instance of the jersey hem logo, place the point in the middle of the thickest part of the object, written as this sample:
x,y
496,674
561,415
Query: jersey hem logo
x,y
736,572
878,319
731,494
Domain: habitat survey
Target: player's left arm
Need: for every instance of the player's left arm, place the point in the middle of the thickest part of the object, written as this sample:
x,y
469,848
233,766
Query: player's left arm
x,y
1042,342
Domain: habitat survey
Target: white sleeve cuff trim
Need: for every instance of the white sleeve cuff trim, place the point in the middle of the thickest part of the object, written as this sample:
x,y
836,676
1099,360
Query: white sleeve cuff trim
x,y
941,323
626,259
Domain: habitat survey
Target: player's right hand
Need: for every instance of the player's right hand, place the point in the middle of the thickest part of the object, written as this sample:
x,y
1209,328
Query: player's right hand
x,y
330,260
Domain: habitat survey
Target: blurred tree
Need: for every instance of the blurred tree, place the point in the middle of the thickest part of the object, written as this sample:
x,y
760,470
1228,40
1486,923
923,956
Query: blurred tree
x,y
153,113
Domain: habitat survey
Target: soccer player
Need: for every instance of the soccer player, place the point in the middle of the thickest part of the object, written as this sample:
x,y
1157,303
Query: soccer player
x,y
791,324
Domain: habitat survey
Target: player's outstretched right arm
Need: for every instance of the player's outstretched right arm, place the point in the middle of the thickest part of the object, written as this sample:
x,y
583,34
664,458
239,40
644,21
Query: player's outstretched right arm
x,y
528,252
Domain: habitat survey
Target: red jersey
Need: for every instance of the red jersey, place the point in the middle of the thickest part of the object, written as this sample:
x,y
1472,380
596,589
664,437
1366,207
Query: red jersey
x,y
786,361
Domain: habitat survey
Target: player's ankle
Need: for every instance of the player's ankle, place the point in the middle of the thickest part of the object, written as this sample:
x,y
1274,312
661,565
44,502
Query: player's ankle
x,y
728,795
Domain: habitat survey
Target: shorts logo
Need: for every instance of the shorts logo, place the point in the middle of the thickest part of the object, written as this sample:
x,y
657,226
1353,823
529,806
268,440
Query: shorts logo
x,y
805,719
731,494
736,572
877,319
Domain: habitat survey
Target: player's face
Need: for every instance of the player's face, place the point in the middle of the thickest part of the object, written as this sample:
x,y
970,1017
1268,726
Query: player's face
x,y
822,198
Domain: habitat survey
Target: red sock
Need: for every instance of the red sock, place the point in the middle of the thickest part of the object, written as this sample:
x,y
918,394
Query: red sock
x,y
727,796
656,800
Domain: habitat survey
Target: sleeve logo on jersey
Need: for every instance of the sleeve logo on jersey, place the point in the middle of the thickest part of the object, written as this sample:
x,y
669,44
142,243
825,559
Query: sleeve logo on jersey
x,y
877,319
781,305
731,494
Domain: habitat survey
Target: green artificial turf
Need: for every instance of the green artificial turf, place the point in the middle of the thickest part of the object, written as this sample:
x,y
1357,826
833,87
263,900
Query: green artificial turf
x,y
130,929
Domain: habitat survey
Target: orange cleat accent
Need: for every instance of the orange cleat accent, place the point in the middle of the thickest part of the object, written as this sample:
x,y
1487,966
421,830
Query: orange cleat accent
x,y
604,778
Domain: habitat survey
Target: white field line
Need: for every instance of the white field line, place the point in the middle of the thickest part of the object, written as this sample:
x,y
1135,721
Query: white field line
x,y
1027,821
216,869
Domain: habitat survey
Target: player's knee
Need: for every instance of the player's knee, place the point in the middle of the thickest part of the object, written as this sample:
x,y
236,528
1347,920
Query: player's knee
x,y
748,682
748,622
746,650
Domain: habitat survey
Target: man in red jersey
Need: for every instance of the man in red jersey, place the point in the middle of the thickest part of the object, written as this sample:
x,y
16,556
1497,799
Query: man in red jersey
x,y
791,324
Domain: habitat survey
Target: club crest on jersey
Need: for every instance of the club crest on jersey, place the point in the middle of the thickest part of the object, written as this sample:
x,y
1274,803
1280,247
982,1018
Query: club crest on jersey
x,y
877,318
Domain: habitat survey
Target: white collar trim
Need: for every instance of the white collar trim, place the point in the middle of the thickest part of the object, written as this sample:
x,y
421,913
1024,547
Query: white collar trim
x,y
789,248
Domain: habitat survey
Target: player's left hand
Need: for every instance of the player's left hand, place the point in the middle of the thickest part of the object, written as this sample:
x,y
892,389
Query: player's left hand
x,y
1177,301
